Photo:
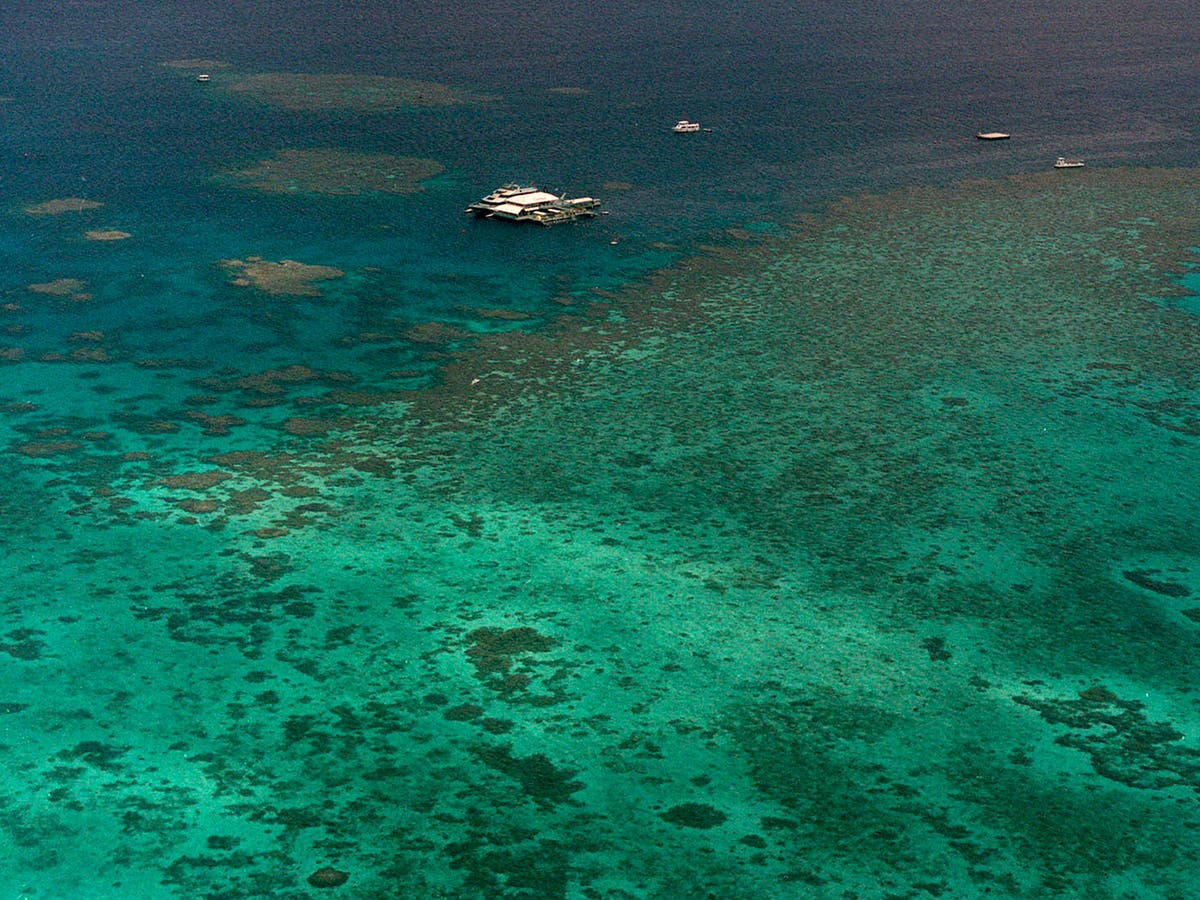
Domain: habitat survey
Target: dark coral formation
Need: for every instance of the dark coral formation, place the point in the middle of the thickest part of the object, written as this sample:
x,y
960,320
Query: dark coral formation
x,y
1150,580
1123,744
694,815
504,658
23,643
216,426
464,712
274,382
328,877
936,648
544,783
492,649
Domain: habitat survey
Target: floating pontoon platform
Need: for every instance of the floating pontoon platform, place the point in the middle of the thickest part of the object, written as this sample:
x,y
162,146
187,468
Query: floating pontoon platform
x,y
526,203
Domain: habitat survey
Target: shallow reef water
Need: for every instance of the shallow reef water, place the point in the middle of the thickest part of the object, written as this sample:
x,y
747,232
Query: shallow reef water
x,y
855,559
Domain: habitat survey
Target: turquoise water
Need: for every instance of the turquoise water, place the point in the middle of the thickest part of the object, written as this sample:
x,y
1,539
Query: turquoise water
x,y
816,524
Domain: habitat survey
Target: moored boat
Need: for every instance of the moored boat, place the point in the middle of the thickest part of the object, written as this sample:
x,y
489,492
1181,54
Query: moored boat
x,y
992,135
1066,162
683,126
526,203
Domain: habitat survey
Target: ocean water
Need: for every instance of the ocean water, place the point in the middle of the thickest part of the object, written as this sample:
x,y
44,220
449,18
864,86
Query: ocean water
x,y
820,522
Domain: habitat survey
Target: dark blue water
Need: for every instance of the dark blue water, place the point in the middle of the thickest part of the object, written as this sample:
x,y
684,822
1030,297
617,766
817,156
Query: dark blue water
x,y
806,102
805,99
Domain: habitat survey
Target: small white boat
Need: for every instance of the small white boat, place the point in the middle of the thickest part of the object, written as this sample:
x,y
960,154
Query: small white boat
x,y
993,135
683,126
1066,162
203,77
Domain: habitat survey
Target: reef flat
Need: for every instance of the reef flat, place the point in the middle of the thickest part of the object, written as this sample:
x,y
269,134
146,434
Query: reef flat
x,y
857,557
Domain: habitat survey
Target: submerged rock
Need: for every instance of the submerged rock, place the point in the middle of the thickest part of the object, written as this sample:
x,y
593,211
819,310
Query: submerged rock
x,y
328,877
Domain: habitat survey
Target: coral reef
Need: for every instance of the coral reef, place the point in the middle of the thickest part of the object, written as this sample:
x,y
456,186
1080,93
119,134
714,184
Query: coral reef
x,y
492,649
544,783
304,92
328,877
286,277
62,205
72,288
1122,742
694,815
335,172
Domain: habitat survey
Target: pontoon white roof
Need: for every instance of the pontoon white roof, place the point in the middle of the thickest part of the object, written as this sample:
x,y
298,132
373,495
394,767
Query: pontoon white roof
x,y
531,198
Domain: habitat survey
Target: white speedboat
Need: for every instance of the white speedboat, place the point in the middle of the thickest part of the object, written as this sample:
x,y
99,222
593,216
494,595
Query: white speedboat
x,y
1066,162
683,126
993,135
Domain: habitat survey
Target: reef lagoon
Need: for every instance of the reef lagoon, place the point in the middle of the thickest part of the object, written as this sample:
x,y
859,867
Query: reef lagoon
x,y
819,523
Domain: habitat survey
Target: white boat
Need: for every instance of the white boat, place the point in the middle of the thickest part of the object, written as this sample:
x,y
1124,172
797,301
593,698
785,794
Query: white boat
x,y
1064,162
683,126
203,77
993,135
